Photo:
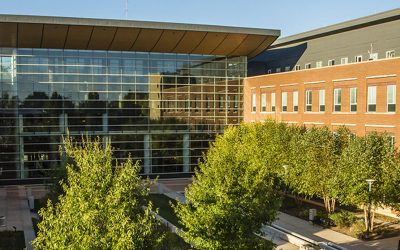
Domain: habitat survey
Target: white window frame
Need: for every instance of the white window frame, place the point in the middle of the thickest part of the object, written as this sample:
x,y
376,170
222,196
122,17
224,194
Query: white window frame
x,y
393,97
307,66
273,108
263,102
353,101
308,100
284,101
295,101
371,99
318,64
358,58
344,60
253,102
331,62
337,100
321,100
297,67
278,70
390,54
287,68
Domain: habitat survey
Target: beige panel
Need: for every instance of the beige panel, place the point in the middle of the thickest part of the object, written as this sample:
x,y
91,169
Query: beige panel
x,y
124,39
231,42
8,35
101,38
209,43
189,41
169,39
78,37
248,45
264,45
54,36
29,35
146,40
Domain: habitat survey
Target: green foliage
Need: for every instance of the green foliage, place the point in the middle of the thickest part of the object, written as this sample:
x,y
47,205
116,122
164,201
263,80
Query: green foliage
x,y
233,194
343,218
102,207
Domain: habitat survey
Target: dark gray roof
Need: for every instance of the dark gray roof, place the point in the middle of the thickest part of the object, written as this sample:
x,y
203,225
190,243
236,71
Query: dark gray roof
x,y
382,17
124,35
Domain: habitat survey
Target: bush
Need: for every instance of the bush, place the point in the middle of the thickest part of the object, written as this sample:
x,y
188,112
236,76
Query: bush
x,y
343,218
323,219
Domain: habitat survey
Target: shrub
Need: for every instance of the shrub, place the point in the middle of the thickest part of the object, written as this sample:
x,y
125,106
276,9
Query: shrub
x,y
343,218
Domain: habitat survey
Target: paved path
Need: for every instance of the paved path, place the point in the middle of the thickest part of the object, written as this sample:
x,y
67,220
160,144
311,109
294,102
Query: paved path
x,y
319,234
14,205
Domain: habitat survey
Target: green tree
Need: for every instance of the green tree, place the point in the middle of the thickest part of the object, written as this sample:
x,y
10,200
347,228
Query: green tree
x,y
102,207
233,193
370,157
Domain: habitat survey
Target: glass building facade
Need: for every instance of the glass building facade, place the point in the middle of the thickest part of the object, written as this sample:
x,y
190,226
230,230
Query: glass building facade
x,y
161,108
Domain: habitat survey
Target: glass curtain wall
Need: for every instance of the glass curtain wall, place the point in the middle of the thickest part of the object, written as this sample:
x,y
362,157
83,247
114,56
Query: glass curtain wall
x,y
162,109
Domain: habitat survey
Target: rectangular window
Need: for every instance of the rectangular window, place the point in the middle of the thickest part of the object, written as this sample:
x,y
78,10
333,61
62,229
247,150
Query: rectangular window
x,y
278,70
337,100
253,102
236,102
392,140
263,102
373,56
228,102
390,54
358,59
391,98
295,101
307,66
297,67
221,102
272,101
371,98
308,100
331,62
287,68
353,99
321,100
318,64
344,60
284,101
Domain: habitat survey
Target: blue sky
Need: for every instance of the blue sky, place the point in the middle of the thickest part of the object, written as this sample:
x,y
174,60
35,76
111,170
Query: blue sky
x,y
290,16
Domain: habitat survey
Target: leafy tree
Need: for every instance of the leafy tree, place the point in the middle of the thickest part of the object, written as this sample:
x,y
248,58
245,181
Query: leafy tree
x,y
102,207
370,157
233,193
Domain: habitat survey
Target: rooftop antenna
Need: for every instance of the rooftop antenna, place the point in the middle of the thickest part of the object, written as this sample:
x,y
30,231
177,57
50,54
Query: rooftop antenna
x,y
126,9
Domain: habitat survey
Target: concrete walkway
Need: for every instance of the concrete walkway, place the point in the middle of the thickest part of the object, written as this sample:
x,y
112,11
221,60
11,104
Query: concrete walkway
x,y
319,234
14,206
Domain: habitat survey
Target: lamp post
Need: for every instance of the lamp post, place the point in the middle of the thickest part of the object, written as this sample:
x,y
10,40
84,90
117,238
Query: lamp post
x,y
285,167
369,181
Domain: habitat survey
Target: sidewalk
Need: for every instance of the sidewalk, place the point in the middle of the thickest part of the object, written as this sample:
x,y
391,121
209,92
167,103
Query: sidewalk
x,y
319,234
14,206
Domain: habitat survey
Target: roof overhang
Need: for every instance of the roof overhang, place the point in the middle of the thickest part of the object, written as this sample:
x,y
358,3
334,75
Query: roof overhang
x,y
120,35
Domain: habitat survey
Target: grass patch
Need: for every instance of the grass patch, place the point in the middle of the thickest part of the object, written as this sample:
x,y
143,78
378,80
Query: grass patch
x,y
165,210
10,240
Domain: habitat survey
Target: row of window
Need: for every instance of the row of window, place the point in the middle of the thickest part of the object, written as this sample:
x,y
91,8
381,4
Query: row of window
x,y
337,100
332,62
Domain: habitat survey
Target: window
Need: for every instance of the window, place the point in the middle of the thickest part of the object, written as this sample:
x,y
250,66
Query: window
x,y
297,67
307,66
295,101
221,102
269,71
228,102
284,101
358,59
344,60
322,100
353,99
318,64
272,101
287,68
263,102
337,100
373,56
392,140
371,98
308,100
390,54
236,102
253,102
391,98
331,62
278,70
